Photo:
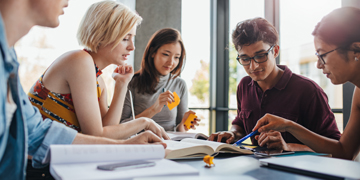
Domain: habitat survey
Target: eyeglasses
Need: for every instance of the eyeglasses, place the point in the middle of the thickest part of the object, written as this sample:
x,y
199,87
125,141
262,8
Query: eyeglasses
x,y
260,58
321,56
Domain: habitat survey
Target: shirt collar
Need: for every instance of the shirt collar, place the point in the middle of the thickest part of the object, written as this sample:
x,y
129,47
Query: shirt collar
x,y
164,79
283,81
285,78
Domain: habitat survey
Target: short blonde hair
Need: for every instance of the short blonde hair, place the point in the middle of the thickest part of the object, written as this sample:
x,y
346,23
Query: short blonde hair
x,y
104,23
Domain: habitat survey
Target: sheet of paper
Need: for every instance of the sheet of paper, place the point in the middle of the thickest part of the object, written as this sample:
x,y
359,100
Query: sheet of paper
x,y
174,104
89,171
175,145
190,118
104,153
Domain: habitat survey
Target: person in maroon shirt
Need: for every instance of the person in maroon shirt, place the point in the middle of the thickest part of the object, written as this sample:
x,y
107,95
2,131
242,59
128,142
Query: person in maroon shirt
x,y
337,45
274,89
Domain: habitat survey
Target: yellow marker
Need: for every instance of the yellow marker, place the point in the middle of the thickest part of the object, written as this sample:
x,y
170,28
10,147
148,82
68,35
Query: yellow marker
x,y
209,160
190,118
174,104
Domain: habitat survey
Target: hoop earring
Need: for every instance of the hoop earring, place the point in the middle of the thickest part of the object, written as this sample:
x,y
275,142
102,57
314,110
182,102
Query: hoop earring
x,y
356,59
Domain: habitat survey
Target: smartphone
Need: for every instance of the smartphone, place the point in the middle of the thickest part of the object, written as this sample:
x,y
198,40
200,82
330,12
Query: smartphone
x,y
126,165
272,152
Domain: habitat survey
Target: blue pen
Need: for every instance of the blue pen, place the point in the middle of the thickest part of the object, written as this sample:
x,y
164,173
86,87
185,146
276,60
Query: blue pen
x,y
163,92
244,138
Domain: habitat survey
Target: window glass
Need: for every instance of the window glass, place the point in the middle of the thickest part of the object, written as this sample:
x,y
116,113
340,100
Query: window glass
x,y
195,30
41,46
297,49
240,10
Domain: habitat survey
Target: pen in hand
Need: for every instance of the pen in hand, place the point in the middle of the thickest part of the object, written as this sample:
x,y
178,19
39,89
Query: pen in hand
x,y
244,138
163,90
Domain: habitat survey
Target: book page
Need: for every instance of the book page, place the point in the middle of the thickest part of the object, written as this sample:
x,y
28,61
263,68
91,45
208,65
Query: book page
x,y
175,145
175,136
218,146
61,154
212,144
179,149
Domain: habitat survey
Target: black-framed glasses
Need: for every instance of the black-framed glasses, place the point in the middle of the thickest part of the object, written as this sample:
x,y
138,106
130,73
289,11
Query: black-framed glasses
x,y
321,56
260,58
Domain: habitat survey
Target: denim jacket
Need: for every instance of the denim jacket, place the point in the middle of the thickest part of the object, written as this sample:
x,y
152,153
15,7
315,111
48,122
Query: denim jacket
x,y
27,133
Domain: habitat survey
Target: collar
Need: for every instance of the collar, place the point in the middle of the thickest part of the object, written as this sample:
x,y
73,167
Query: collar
x,y
164,79
283,81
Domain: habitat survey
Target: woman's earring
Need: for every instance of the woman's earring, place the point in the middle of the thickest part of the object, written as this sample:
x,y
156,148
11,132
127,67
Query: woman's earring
x,y
356,59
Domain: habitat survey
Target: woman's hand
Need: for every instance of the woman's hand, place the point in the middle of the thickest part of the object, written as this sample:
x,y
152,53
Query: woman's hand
x,y
194,122
123,74
154,127
146,137
271,122
163,99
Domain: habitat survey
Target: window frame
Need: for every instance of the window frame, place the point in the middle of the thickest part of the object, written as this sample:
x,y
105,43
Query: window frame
x,y
219,62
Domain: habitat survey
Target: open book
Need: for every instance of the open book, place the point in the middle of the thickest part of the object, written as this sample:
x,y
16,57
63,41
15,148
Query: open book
x,y
177,136
82,161
190,148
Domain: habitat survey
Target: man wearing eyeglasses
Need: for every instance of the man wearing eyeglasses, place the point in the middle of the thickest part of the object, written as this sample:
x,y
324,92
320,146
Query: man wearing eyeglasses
x,y
272,88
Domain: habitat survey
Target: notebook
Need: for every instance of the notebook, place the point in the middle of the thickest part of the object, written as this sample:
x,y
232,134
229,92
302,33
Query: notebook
x,y
316,166
82,162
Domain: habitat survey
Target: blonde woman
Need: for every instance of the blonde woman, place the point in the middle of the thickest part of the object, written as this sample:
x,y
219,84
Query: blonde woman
x,y
72,91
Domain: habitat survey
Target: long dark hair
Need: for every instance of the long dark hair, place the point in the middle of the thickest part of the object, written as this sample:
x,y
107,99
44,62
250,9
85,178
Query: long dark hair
x,y
341,28
147,78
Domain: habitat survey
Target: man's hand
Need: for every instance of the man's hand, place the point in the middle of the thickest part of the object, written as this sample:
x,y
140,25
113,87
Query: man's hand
x,y
146,137
222,136
272,140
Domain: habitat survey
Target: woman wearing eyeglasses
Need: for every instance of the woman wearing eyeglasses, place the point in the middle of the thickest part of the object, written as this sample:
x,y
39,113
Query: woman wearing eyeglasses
x,y
272,88
337,44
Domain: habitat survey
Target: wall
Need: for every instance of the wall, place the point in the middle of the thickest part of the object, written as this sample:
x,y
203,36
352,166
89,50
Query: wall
x,y
156,14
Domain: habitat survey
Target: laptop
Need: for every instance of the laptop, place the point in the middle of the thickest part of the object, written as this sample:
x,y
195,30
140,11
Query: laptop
x,y
315,166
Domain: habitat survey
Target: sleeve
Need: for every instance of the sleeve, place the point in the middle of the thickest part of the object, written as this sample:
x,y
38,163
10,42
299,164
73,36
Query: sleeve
x,y
126,113
41,134
319,117
183,106
238,120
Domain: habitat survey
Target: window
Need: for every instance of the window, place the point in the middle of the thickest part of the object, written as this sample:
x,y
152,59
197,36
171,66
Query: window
x,y
239,11
195,30
42,46
297,47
